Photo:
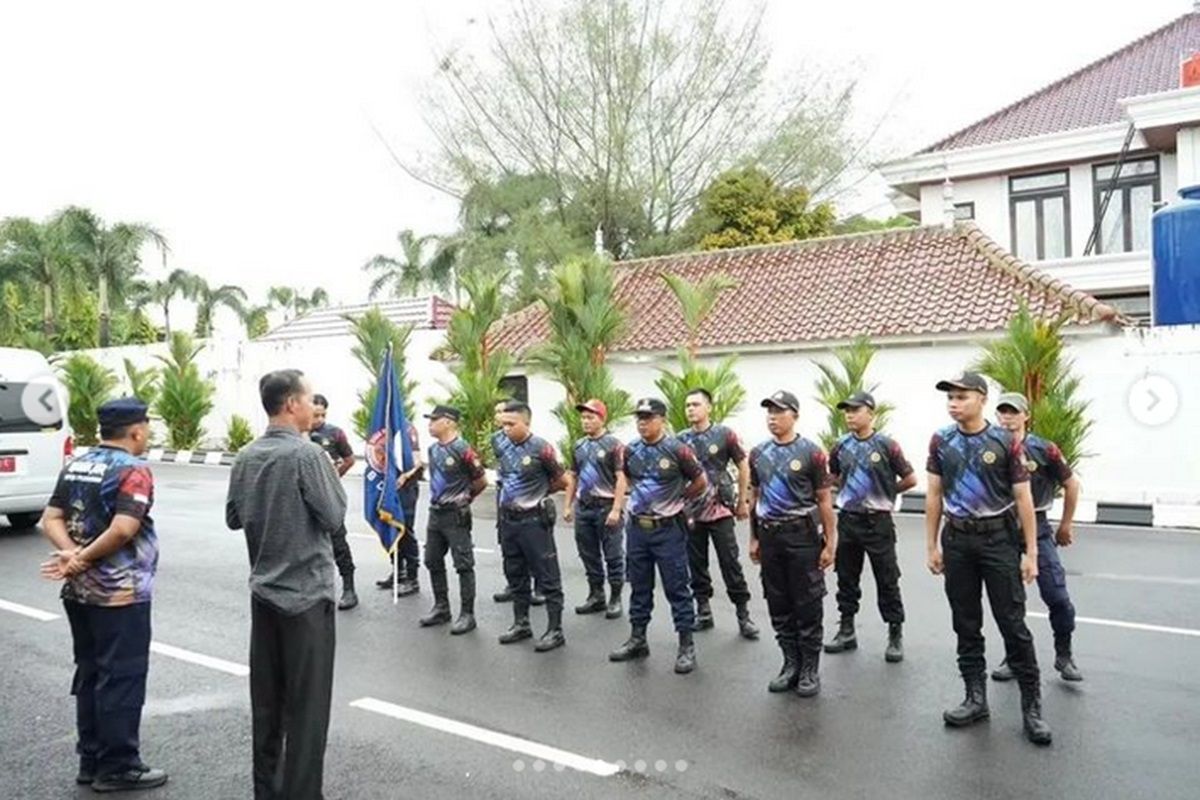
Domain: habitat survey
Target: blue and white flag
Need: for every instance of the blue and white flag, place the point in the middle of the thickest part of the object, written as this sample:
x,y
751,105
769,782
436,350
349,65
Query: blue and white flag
x,y
389,454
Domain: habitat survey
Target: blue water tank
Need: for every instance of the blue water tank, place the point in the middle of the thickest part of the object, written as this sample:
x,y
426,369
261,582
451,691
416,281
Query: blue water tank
x,y
1177,260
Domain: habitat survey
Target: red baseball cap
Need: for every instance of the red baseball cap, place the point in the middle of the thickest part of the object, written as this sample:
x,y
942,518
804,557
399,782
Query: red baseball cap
x,y
595,406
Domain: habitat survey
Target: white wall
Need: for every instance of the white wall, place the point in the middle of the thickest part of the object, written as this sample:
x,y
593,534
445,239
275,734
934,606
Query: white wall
x,y
236,366
1132,462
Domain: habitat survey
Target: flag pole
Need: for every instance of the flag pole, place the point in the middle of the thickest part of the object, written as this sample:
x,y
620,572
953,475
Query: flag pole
x,y
395,577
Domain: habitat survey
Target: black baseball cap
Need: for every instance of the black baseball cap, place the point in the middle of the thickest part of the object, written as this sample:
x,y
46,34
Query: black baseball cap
x,y
121,412
857,400
650,407
971,381
782,399
444,412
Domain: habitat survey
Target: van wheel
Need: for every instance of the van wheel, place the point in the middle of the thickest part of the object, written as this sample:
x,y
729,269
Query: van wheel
x,y
29,519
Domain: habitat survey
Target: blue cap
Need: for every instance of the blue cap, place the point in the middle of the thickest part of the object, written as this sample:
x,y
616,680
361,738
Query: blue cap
x,y
121,412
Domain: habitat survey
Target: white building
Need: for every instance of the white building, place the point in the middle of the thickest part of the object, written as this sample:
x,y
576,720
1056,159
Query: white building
x,y
1120,134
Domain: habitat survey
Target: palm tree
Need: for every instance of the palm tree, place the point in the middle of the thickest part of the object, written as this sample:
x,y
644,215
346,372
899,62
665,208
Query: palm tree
x,y
44,254
294,302
256,320
209,298
179,283
409,273
110,254
697,300
838,383
374,333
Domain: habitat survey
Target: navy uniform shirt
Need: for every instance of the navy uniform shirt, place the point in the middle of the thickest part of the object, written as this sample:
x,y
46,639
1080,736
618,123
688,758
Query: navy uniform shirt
x,y
332,440
978,470
596,464
1048,470
788,477
715,446
658,475
869,469
453,467
526,470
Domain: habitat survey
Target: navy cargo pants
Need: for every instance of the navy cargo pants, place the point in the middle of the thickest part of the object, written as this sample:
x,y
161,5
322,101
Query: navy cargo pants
x,y
112,657
661,542
1052,582
601,548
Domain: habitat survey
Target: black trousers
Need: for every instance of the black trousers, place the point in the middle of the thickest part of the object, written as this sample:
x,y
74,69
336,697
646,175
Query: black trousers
x,y
112,657
409,550
721,533
450,530
991,560
600,547
341,552
793,582
527,546
871,536
291,687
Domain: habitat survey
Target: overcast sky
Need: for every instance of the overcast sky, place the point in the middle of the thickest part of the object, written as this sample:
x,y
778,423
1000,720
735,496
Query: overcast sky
x,y
242,130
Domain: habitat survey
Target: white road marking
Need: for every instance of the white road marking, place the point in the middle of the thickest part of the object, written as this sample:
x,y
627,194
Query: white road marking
x,y
191,657
1112,576
515,744
26,611
1116,623
372,537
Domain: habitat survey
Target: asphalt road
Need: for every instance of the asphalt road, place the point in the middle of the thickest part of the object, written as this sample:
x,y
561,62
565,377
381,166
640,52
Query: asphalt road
x,y
1131,729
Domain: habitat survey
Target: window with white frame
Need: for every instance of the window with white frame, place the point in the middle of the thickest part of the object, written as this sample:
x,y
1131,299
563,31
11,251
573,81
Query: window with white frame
x,y
1039,210
1125,227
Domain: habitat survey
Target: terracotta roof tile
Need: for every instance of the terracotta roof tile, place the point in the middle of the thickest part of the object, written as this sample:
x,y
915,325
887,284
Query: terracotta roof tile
x,y
1088,97
913,281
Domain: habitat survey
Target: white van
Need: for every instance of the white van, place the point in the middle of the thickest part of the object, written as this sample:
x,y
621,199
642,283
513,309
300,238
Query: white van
x,y
35,438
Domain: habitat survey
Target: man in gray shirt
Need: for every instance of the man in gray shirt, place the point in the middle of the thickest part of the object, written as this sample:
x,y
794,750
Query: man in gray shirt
x,y
285,494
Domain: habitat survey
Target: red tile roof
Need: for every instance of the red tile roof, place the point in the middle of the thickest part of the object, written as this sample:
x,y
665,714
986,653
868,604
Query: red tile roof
x,y
1088,97
909,281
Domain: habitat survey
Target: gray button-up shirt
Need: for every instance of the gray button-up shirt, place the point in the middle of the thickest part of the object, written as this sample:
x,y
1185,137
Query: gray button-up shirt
x,y
286,494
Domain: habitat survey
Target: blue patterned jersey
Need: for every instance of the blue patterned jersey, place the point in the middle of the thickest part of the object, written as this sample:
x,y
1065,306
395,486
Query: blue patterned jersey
x,y
1048,470
333,441
453,467
526,470
658,475
91,490
978,470
788,477
715,446
868,469
596,464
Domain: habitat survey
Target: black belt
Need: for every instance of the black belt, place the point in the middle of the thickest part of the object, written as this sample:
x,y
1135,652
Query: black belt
x,y
445,507
1000,522
520,513
792,523
595,502
649,522
863,513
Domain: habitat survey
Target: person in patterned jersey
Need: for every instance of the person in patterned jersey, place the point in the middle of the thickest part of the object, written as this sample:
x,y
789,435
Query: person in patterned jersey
x,y
456,477
529,473
978,486
870,470
106,553
1048,473
500,443
595,502
664,475
792,489
712,514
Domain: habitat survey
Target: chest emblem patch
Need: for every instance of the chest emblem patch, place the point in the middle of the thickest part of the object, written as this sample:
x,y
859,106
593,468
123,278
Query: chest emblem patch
x,y
989,457
526,461
876,458
664,463
599,454
712,448
796,465
1031,465
449,461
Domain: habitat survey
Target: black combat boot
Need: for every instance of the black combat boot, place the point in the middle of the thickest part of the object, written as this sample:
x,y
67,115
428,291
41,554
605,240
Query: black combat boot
x,y
615,608
466,618
789,676
809,683
1036,729
553,637
1002,673
746,626
894,653
440,613
704,617
844,639
520,628
974,706
685,659
349,596
595,600
407,587
505,596
536,598
1063,660
634,647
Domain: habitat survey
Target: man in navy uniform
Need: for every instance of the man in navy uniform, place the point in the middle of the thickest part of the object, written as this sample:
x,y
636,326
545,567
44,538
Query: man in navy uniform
x,y
664,475
595,501
98,520
790,476
529,473
456,478
712,515
1048,473
870,470
500,443
333,441
978,486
